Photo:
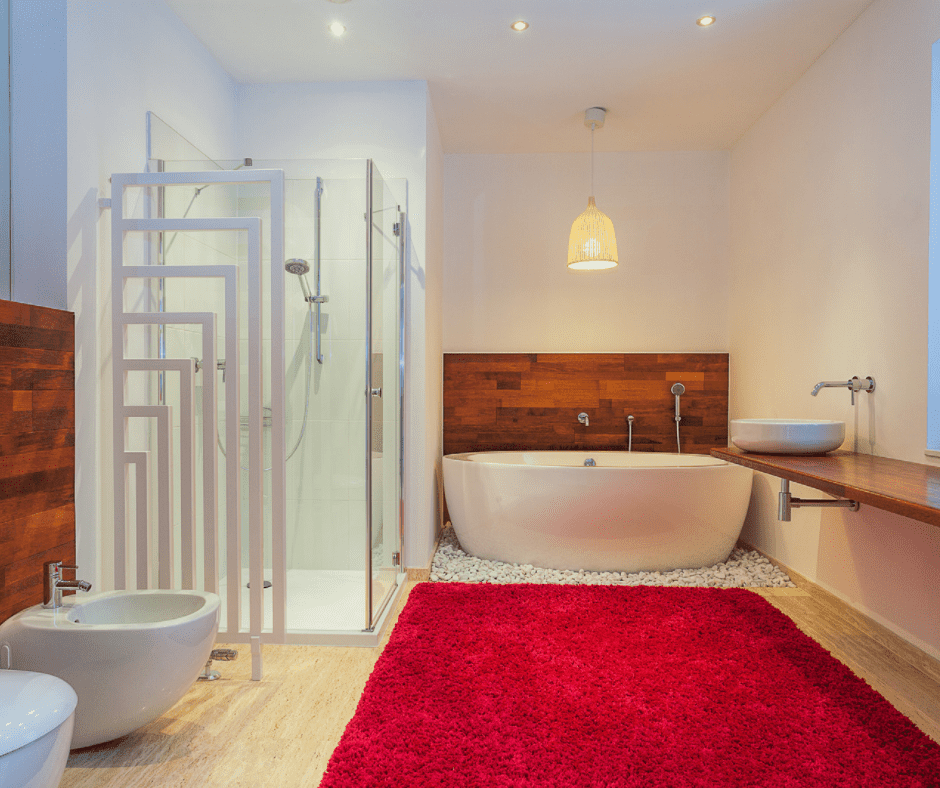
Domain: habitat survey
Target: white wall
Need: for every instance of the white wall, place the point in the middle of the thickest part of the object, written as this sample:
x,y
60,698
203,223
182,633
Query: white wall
x,y
38,151
5,160
829,211
434,357
506,227
933,333
125,57
385,121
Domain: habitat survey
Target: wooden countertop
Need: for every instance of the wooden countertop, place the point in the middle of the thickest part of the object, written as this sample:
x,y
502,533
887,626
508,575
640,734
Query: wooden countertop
x,y
906,488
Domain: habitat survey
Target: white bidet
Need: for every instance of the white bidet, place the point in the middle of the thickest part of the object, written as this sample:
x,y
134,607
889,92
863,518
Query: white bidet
x,y
129,655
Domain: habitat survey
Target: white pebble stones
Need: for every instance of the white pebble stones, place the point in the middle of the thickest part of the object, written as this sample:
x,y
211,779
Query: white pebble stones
x,y
742,569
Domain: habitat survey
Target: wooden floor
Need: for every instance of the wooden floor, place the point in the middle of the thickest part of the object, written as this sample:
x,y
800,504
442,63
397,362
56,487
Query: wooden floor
x,y
235,733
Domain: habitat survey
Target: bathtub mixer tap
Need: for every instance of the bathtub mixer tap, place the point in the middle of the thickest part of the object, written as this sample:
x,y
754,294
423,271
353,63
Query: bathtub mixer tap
x,y
852,384
584,419
53,584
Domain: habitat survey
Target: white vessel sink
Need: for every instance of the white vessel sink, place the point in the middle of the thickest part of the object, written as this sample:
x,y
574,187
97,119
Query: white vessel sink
x,y
787,436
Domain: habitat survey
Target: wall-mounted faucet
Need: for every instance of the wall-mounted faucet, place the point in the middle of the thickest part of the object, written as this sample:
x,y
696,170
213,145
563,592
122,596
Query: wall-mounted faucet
x,y
584,419
853,385
53,584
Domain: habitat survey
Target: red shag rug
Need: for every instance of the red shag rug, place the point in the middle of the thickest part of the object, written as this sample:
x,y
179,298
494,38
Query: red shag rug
x,y
574,686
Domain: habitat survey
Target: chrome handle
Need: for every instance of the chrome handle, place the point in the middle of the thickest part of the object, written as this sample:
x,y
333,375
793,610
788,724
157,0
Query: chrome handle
x,y
376,392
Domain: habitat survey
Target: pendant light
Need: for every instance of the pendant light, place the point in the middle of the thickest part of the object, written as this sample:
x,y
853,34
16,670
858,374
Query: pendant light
x,y
592,244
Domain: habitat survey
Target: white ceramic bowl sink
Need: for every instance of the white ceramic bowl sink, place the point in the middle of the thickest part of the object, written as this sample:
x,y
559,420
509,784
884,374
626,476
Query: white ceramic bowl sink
x,y
787,436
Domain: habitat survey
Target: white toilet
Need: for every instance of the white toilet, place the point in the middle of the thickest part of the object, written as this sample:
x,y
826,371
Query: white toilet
x,y
37,713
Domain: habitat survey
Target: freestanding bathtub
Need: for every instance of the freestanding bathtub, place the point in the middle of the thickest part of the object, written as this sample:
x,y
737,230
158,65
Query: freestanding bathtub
x,y
629,512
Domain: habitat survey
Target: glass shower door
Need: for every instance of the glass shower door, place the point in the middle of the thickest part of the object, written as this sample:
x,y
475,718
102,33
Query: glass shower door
x,y
382,393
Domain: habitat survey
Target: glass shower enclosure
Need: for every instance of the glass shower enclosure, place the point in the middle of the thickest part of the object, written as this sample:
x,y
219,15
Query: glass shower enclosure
x,y
343,362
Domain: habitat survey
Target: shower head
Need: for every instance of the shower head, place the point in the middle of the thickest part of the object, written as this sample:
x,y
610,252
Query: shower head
x,y
297,266
677,389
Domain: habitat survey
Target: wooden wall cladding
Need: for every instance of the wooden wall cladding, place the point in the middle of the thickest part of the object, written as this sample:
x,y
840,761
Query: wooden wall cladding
x,y
506,401
37,448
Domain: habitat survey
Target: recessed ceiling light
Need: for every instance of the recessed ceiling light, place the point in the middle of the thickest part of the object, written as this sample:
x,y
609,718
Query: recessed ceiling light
x,y
337,29
705,21
339,1
519,26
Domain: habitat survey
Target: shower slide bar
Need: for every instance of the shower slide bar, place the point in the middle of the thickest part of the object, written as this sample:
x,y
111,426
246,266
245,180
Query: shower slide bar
x,y
167,551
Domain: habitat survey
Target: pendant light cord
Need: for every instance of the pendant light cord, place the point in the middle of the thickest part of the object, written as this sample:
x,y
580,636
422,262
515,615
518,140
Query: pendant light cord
x,y
592,158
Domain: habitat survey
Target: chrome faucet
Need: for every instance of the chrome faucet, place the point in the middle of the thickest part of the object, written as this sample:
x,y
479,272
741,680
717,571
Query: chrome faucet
x,y
53,584
584,419
853,385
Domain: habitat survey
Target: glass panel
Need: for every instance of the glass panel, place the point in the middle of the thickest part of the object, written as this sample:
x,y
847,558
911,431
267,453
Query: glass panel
x,y
325,507
383,439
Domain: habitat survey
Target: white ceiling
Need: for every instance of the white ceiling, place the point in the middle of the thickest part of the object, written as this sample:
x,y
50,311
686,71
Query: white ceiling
x,y
668,84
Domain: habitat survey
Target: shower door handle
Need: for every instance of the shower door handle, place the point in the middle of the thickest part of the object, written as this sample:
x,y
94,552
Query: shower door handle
x,y
376,392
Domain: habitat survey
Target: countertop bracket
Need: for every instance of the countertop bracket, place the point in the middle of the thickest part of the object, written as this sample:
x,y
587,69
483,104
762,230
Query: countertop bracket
x,y
906,488
786,502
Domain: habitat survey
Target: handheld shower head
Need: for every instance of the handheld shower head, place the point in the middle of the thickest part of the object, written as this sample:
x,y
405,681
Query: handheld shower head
x,y
678,390
297,266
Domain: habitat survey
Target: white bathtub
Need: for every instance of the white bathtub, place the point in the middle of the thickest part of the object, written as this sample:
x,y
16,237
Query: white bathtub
x,y
632,512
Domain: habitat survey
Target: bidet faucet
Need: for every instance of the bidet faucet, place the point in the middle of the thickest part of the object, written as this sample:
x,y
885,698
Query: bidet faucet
x,y
853,385
53,584
584,419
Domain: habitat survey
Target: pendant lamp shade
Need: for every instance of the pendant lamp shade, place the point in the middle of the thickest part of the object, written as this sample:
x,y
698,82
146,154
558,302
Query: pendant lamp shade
x,y
592,244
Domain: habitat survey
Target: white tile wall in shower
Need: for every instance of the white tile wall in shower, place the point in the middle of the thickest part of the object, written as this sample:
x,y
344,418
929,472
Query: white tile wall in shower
x,y
343,236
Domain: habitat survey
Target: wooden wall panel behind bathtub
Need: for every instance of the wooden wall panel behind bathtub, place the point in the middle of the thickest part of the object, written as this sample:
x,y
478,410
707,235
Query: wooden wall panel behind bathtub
x,y
505,401
37,448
